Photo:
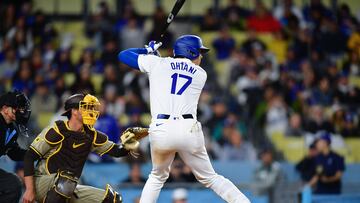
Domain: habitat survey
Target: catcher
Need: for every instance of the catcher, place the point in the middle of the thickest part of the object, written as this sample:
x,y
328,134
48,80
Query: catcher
x,y
61,151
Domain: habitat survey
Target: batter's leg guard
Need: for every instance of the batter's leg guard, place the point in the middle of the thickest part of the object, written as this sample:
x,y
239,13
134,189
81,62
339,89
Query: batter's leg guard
x,y
63,189
111,196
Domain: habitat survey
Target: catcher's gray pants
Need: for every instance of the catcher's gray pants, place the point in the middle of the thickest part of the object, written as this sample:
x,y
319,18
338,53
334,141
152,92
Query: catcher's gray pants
x,y
10,187
185,137
83,193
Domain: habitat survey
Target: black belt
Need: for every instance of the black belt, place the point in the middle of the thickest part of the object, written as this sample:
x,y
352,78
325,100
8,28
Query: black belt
x,y
167,116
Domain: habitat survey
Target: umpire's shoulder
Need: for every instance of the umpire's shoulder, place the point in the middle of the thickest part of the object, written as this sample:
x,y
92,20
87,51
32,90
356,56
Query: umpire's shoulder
x,y
100,138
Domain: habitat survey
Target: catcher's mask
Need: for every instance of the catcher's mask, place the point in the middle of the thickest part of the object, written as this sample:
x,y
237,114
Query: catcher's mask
x,y
88,106
90,110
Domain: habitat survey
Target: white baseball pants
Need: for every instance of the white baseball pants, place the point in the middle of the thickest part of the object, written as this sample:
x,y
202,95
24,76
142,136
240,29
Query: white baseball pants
x,y
184,136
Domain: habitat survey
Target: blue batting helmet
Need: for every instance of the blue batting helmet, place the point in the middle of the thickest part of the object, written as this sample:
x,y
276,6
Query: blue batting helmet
x,y
189,46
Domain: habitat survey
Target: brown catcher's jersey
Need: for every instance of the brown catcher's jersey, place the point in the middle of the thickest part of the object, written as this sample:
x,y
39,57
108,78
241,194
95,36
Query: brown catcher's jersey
x,y
63,149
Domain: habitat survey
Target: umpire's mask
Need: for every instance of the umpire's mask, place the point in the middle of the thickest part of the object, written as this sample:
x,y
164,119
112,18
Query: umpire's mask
x,y
89,108
20,104
23,110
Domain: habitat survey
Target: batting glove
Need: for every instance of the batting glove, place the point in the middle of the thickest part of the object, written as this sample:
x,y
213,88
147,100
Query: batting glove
x,y
152,47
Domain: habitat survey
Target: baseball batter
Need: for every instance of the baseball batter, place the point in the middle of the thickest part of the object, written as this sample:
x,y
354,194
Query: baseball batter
x,y
175,87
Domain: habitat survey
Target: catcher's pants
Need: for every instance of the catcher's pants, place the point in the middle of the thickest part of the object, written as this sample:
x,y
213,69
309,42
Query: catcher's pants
x,y
185,136
83,193
10,187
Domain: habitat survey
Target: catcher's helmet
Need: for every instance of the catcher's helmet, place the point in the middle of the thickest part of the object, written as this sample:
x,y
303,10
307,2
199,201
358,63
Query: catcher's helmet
x,y
72,103
189,46
87,104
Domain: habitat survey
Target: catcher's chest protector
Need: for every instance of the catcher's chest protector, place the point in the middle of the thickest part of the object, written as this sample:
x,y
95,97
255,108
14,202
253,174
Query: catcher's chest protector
x,y
73,151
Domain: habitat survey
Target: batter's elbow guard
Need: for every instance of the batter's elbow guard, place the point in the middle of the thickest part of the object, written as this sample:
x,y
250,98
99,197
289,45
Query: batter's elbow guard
x,y
111,196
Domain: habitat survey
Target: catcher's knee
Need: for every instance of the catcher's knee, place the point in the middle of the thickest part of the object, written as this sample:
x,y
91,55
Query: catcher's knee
x,y
63,188
111,196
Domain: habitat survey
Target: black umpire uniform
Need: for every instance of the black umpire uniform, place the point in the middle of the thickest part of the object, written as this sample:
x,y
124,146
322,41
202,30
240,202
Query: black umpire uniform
x,y
11,127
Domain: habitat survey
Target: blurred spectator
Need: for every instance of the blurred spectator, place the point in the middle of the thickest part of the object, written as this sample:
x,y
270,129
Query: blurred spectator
x,y
295,127
220,111
316,120
224,44
354,40
7,18
99,26
20,29
158,20
345,93
329,39
23,79
49,53
251,41
238,62
307,166
314,12
247,84
267,175
23,42
132,35
175,174
347,22
179,195
329,168
351,126
226,126
287,11
135,177
113,78
9,66
87,59
63,62
276,116
279,46
210,21
43,100
36,60
322,94
322,63
234,15
59,87
115,106
110,53
180,173
262,20
107,123
235,147
352,65
83,83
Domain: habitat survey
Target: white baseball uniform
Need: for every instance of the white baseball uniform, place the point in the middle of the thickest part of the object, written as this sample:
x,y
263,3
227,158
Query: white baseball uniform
x,y
175,87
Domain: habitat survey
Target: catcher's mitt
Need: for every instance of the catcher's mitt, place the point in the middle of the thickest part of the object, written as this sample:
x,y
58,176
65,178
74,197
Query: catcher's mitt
x,y
139,132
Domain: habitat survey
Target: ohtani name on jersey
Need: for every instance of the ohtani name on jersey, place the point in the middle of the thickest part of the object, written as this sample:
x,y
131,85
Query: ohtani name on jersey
x,y
182,66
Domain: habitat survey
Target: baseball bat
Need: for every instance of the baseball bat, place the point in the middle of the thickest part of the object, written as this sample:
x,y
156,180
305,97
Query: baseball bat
x,y
175,10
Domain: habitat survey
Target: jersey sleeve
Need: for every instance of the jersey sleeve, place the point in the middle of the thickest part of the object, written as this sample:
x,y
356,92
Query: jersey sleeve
x,y
147,62
101,143
40,145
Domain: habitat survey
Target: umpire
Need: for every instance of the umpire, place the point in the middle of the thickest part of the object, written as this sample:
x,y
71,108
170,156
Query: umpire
x,y
14,114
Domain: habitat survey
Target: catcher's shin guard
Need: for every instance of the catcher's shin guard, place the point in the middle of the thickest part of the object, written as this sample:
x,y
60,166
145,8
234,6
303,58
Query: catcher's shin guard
x,y
63,188
111,196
